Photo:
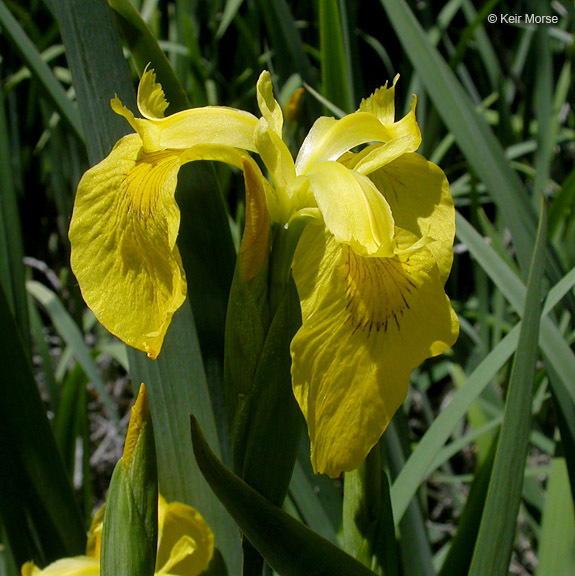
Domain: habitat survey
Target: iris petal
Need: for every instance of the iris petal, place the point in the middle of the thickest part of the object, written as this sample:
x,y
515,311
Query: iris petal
x,y
123,232
78,566
367,322
418,193
353,209
268,105
329,138
176,520
152,101
382,105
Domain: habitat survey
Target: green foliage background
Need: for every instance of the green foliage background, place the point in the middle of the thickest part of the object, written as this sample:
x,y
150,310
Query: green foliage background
x,y
480,462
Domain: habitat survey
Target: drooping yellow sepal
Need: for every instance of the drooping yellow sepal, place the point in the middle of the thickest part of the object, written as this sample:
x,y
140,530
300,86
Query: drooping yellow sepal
x,y
367,322
123,236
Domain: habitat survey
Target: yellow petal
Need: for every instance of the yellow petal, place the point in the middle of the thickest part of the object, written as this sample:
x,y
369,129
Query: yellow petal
x,y
367,322
328,138
123,234
183,548
375,156
29,569
207,126
284,198
78,566
177,521
152,101
382,105
353,209
268,105
418,193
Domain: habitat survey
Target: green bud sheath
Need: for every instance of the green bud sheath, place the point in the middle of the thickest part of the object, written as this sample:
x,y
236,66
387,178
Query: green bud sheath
x,y
130,532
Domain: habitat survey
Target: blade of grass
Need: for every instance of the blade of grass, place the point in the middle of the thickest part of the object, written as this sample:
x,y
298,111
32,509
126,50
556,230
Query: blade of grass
x,y
230,10
473,135
337,81
37,504
289,53
307,500
70,333
498,523
543,104
11,247
418,466
460,553
552,341
30,55
416,557
557,538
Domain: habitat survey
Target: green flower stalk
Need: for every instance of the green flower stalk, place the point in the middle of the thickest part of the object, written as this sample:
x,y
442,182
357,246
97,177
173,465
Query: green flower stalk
x,y
370,265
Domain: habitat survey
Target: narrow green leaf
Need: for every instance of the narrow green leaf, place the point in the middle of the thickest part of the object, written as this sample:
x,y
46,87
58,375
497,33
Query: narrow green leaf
x,y
417,468
543,105
419,465
99,71
557,538
288,546
554,346
335,56
562,205
274,420
309,495
11,247
230,10
71,334
72,408
54,90
498,523
415,547
45,513
289,53
472,133
461,551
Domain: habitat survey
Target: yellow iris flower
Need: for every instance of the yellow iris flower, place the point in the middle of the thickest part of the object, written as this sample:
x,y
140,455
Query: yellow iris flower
x,y
125,220
370,266
185,546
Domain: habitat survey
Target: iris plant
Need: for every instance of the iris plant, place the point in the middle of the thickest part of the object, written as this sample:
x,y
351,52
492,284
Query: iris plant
x,y
370,265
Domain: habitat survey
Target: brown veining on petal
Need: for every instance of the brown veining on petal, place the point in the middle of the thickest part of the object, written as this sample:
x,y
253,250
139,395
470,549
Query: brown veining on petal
x,y
378,292
143,182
